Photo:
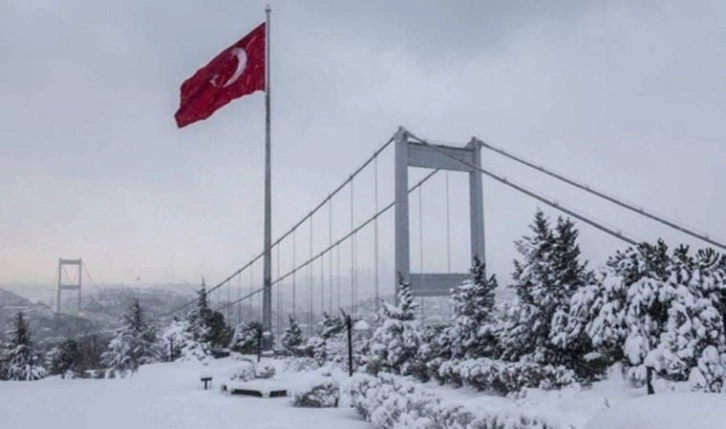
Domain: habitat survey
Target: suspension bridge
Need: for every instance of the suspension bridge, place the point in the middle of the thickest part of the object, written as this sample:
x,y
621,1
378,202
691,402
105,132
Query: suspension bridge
x,y
316,271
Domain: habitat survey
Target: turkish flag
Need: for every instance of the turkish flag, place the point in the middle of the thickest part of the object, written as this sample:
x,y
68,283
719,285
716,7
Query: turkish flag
x,y
237,71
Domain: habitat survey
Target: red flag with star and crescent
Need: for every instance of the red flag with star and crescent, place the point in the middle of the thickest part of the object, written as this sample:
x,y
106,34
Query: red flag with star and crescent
x,y
237,71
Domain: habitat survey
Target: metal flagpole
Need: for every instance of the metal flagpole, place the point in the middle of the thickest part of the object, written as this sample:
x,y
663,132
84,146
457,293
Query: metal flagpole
x,y
267,273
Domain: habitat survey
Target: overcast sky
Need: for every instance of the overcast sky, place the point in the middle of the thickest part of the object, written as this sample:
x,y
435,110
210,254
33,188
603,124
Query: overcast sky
x,y
628,96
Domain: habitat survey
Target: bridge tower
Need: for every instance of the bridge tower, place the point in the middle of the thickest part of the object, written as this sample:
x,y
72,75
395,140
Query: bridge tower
x,y
69,284
413,154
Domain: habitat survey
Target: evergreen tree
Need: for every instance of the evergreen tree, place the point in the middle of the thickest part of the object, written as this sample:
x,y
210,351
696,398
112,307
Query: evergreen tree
x,y
331,326
207,325
134,344
21,363
395,343
246,337
545,279
292,339
656,309
177,342
472,334
64,358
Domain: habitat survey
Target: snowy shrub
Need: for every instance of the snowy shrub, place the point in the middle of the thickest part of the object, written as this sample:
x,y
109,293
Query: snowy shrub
x,y
504,377
392,402
710,374
245,372
323,393
265,371
300,364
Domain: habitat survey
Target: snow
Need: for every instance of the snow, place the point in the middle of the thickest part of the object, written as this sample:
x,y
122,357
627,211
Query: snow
x,y
171,396
158,396
665,411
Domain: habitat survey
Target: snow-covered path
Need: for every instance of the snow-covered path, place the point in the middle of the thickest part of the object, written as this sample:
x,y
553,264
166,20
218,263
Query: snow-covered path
x,y
160,396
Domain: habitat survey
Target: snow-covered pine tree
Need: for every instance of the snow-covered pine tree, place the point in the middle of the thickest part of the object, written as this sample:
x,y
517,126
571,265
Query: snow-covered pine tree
x,y
198,317
396,341
207,325
246,337
21,363
292,338
63,358
472,333
331,326
694,320
545,279
134,344
177,342
526,328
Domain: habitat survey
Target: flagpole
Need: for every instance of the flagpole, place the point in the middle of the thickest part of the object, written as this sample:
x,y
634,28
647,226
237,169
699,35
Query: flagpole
x,y
267,275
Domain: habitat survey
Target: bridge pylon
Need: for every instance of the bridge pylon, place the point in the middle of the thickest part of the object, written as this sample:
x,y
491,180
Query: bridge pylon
x,y
69,284
413,154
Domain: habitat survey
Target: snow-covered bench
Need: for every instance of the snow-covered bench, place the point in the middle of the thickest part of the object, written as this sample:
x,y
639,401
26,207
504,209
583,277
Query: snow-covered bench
x,y
259,388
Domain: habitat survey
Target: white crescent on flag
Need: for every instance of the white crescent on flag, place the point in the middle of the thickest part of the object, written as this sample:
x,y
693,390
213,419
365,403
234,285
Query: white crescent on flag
x,y
241,64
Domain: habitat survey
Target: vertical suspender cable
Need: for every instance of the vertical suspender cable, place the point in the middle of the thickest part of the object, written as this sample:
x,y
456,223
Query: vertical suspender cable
x,y
448,235
279,298
420,244
310,283
252,279
352,252
375,234
448,226
322,284
239,298
330,259
294,275
337,276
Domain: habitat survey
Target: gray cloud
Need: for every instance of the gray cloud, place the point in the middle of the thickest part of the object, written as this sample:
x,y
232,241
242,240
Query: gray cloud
x,y
628,96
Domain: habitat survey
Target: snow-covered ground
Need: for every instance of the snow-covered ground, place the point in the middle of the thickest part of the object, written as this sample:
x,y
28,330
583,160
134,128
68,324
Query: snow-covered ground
x,y
159,396
170,395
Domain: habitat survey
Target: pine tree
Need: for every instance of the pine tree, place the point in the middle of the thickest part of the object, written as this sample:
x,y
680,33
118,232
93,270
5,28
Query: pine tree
x,y
331,326
292,339
653,308
134,344
177,342
21,363
395,343
472,332
198,317
246,337
546,278
207,325
64,358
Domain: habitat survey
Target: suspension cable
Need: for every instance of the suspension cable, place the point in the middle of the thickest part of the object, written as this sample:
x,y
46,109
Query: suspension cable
x,y
341,240
553,204
639,210
294,227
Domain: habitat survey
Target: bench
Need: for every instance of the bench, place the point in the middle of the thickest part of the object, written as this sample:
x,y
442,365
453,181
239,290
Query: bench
x,y
260,390
207,382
